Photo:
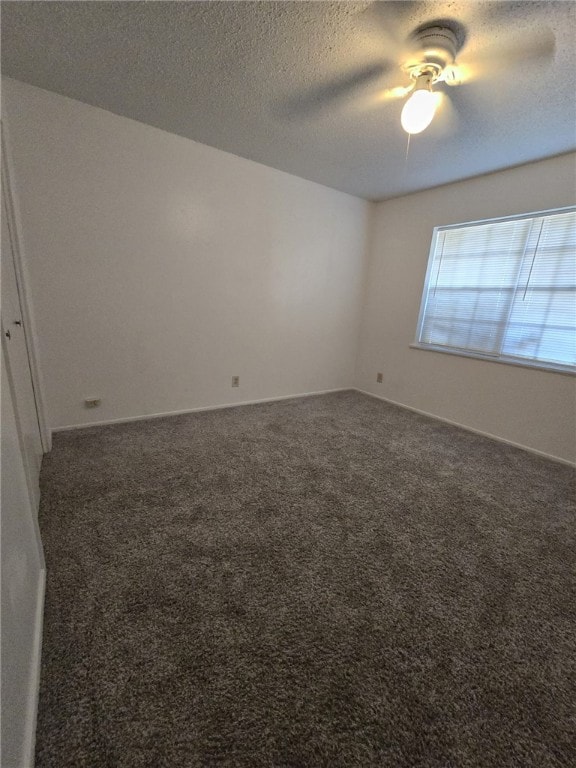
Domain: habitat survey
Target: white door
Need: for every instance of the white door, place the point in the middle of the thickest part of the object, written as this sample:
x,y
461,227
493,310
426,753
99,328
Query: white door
x,y
21,595
18,363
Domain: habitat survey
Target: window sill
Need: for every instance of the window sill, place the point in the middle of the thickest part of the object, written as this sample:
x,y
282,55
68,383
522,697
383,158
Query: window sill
x,y
549,368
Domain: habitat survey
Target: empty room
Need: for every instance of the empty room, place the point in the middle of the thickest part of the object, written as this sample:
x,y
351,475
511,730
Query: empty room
x,y
288,306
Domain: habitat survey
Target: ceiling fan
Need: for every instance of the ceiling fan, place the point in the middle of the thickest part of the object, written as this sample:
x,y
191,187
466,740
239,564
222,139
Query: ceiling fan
x,y
429,58
433,58
435,53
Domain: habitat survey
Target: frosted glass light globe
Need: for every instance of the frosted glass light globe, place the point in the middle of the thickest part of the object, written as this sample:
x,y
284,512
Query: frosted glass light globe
x,y
418,111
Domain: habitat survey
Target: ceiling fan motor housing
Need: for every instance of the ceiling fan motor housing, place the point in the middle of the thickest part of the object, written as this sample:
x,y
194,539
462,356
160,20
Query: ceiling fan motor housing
x,y
432,50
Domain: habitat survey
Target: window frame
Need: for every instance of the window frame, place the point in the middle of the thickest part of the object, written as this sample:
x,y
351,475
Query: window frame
x,y
541,365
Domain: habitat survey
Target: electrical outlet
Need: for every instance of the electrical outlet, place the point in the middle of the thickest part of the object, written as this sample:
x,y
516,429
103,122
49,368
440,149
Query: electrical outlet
x,y
92,402
379,378
235,381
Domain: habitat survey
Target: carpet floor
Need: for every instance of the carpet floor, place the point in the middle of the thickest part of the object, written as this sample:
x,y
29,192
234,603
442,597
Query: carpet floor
x,y
325,582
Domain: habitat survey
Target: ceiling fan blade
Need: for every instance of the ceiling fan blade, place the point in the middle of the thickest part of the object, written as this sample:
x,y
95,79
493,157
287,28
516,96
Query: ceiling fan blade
x,y
380,25
340,89
446,120
391,94
379,97
537,47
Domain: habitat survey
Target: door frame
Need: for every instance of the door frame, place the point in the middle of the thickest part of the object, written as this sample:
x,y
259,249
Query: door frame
x,y
13,223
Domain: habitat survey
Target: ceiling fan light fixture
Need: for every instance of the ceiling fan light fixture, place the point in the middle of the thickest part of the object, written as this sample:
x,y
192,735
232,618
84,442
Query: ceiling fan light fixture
x,y
420,108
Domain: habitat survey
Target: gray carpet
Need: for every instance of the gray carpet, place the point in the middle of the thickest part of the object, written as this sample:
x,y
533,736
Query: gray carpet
x,y
327,582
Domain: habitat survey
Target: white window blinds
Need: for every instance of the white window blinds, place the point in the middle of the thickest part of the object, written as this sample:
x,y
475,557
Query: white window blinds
x,y
504,289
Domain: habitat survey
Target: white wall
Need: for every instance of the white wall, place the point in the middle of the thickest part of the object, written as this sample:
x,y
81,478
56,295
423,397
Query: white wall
x,y
159,267
530,407
22,595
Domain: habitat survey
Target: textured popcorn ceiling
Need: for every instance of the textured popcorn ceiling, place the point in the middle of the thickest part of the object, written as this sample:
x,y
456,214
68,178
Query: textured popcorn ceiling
x,y
300,86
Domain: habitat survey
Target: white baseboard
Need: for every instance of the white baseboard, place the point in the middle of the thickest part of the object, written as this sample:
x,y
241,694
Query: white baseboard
x,y
469,429
147,416
34,680
165,414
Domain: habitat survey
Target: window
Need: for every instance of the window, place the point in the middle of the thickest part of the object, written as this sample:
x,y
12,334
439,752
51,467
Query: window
x,y
504,289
